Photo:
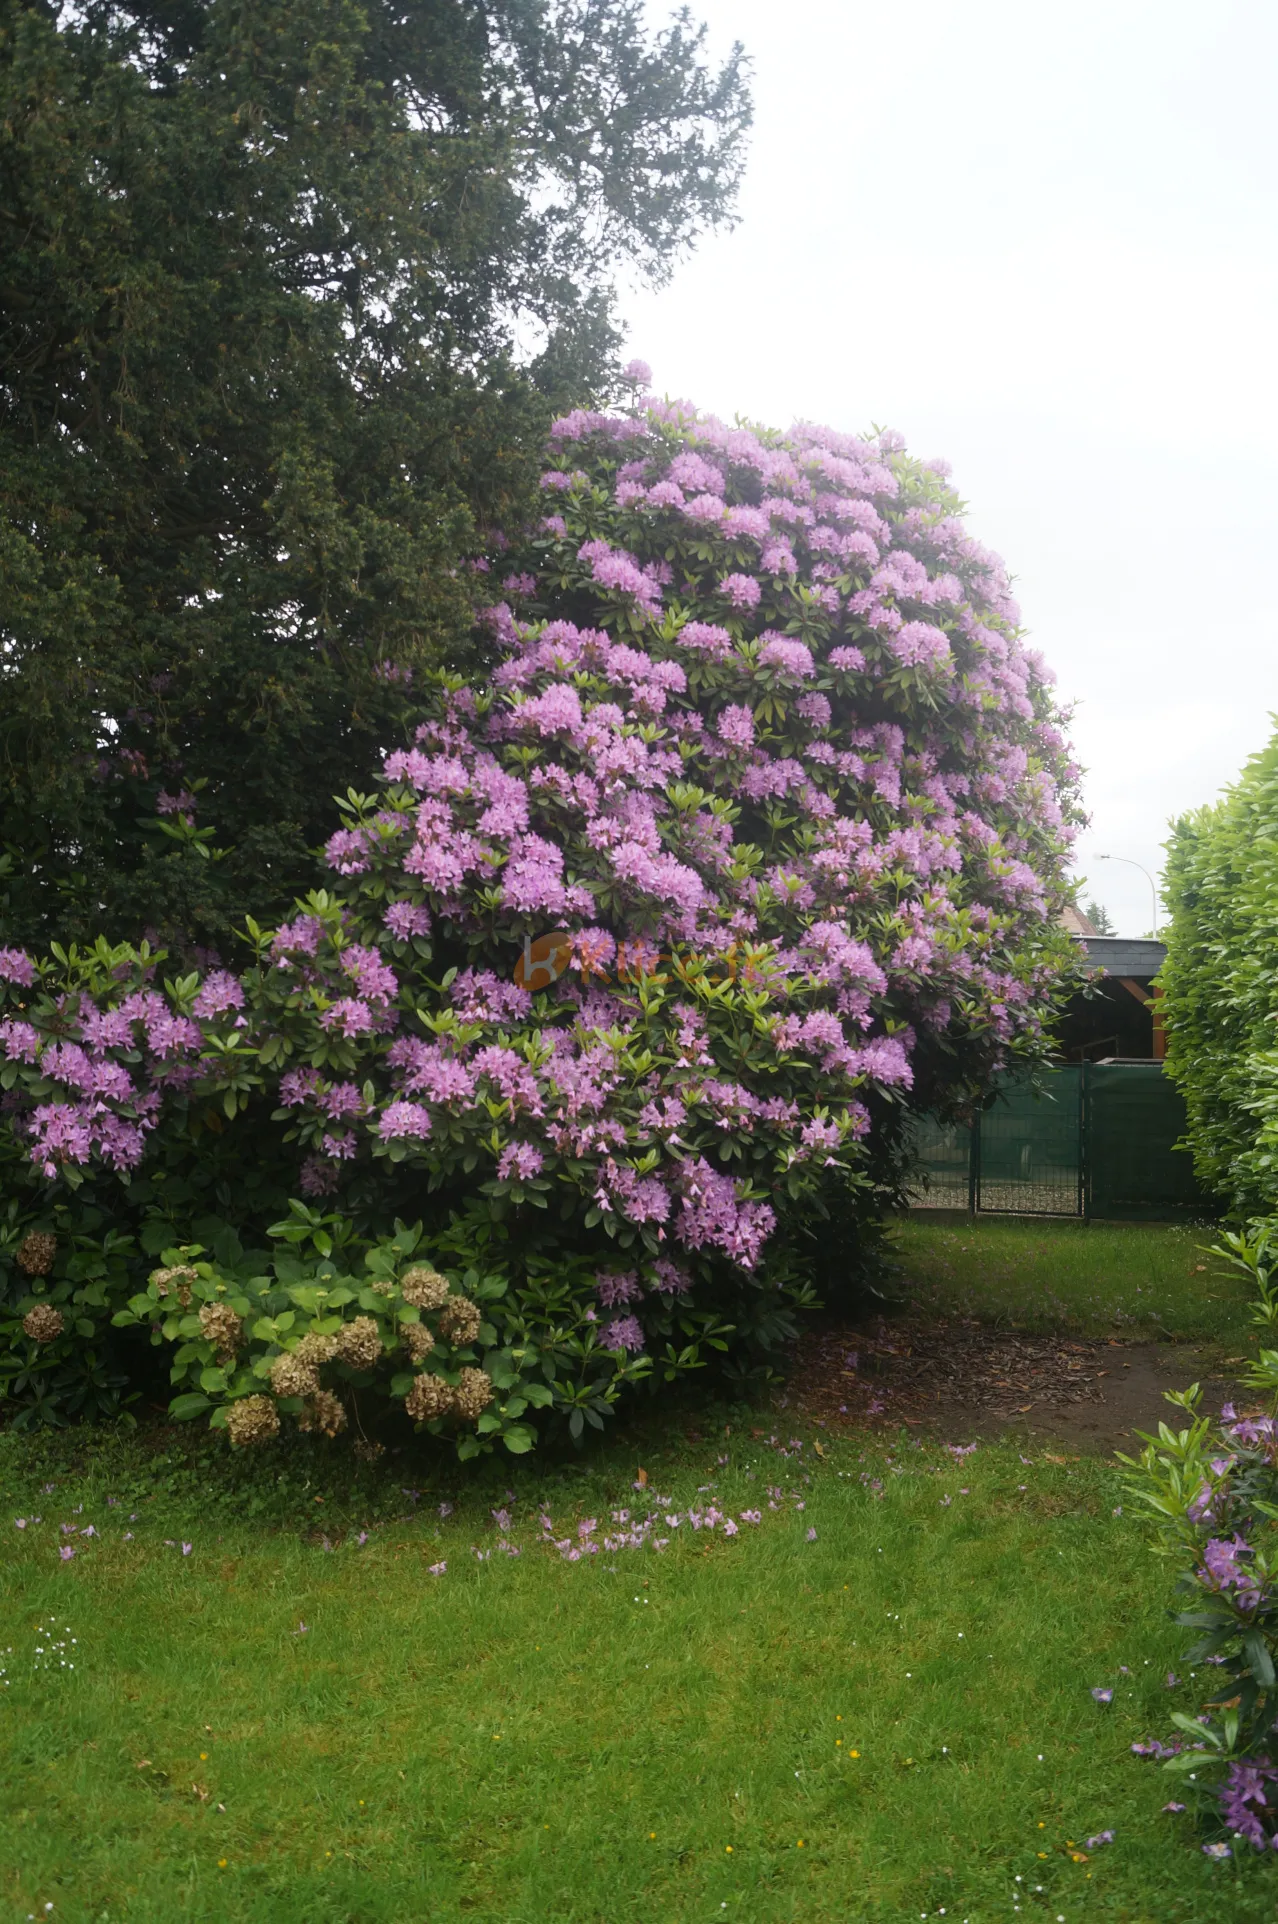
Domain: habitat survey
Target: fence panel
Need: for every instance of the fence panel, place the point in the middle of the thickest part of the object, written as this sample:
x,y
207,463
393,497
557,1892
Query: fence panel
x,y
944,1157
1134,1116
1096,1139
1030,1152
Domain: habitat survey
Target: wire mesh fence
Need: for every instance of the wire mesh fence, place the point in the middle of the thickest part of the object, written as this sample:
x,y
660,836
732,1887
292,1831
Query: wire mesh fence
x,y
1092,1139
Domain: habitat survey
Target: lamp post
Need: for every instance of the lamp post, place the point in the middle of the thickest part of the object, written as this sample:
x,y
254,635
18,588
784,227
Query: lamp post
x,y
1153,892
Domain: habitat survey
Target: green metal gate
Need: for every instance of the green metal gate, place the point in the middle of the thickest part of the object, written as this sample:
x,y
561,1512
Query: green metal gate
x,y
1093,1139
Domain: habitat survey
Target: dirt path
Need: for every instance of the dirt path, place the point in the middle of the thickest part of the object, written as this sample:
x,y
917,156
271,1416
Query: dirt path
x,y
962,1376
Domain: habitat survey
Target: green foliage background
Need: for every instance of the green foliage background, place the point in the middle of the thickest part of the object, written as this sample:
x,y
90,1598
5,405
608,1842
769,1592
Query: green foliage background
x,y
264,271
1221,986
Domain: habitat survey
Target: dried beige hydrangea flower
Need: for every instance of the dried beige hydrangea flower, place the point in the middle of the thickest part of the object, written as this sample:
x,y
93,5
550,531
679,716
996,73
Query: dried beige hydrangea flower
x,y
368,1451
429,1397
423,1287
473,1395
417,1339
44,1322
175,1282
360,1343
291,1375
36,1252
253,1419
459,1320
220,1325
324,1412
315,1349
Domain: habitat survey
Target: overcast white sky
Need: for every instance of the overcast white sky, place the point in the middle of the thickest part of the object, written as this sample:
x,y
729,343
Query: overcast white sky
x,y
1039,240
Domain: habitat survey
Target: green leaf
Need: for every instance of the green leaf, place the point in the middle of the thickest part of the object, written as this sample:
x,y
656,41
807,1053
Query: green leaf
x,y
1259,1659
183,1408
519,1439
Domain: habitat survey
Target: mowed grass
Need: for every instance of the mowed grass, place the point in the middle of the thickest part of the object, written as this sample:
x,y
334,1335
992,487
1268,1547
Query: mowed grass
x,y
888,1720
1137,1280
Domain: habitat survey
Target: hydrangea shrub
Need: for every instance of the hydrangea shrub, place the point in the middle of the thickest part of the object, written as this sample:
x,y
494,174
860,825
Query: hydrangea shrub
x,y
753,834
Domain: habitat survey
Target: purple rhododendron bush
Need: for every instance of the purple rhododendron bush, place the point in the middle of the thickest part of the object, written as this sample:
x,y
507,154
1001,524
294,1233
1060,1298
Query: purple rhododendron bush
x,y
750,836
1210,1490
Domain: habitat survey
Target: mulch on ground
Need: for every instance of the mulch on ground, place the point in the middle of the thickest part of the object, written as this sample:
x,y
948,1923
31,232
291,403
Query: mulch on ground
x,y
936,1372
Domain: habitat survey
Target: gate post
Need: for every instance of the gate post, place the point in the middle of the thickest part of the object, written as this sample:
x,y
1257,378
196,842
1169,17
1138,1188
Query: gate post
x,y
1084,1141
974,1165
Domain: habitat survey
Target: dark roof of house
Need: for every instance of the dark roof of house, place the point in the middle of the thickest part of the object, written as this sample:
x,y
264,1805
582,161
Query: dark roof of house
x,y
1125,955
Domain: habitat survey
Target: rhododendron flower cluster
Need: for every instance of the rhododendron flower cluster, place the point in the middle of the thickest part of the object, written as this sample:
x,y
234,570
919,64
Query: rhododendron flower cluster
x,y
759,739
1210,1491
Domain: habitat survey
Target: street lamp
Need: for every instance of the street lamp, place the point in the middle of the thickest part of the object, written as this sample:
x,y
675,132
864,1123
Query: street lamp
x,y
1153,892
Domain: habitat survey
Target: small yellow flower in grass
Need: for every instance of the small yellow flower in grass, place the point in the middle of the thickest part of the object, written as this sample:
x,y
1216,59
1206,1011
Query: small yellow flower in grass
x,y
221,1863
838,1743
854,1753
728,1848
800,1844
204,1756
651,1834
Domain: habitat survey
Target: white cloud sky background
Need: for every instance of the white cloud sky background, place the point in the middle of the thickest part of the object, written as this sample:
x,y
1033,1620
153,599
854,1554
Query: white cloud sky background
x,y
1039,240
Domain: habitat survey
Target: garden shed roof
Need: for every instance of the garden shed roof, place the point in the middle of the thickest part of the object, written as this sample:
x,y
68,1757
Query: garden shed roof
x,y
1125,955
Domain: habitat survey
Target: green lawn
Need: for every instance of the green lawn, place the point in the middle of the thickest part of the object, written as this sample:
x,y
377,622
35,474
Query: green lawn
x,y
887,1720
1093,1279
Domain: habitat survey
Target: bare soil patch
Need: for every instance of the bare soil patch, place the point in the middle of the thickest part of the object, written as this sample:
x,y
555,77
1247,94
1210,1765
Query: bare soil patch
x,y
963,1375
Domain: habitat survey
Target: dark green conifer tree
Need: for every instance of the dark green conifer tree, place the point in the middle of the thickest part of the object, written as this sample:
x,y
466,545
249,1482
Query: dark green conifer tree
x,y
288,292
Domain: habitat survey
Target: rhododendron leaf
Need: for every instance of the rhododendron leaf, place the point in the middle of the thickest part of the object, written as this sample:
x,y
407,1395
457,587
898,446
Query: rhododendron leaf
x,y
1259,1659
